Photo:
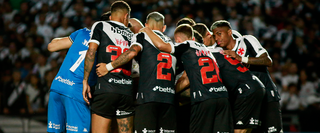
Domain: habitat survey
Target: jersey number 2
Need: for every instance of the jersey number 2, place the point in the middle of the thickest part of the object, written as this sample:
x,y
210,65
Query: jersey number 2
x,y
164,65
209,68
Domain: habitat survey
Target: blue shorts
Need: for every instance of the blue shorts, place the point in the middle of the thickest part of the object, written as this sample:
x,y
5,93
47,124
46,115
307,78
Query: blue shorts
x,y
67,114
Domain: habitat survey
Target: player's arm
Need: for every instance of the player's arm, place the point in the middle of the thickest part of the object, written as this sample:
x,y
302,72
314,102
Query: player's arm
x,y
124,58
262,58
59,44
88,63
182,83
157,41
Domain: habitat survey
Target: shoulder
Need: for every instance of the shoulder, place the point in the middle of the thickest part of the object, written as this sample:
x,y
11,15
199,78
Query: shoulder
x,y
215,49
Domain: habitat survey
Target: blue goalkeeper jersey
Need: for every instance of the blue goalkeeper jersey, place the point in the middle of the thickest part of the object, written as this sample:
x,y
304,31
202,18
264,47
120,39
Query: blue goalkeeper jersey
x,y
68,81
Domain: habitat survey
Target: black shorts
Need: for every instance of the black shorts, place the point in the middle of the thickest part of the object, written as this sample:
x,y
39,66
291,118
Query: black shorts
x,y
211,116
155,117
246,110
271,118
111,105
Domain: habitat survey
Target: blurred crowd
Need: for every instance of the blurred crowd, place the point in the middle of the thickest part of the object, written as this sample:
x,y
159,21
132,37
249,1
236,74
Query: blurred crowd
x,y
288,29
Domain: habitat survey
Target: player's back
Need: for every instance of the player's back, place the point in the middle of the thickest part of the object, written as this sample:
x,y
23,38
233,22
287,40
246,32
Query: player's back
x,y
157,71
113,39
202,71
68,81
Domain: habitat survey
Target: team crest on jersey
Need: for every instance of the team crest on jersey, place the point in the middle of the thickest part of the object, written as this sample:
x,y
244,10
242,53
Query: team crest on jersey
x,y
240,51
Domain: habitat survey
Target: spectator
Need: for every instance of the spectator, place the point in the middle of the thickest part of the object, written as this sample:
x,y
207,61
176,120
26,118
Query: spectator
x,y
292,76
65,29
307,88
29,49
14,95
41,67
290,102
35,97
44,30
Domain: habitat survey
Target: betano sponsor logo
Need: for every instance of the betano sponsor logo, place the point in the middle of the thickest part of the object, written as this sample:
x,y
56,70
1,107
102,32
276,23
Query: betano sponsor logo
x,y
166,89
122,32
218,89
120,81
65,81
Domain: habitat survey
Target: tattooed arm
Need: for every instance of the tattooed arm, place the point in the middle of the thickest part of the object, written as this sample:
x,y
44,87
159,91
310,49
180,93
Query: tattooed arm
x,y
88,63
121,60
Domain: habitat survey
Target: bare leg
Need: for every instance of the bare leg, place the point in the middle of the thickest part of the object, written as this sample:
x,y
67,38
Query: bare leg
x,y
114,126
125,125
100,124
248,130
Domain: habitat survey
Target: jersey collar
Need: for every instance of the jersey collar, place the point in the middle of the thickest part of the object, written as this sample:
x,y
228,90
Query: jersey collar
x,y
118,23
158,32
237,44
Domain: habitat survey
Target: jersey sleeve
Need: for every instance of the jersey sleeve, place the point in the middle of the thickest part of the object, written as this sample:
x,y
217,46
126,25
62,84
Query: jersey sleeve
x,y
180,48
236,34
95,34
168,40
137,39
258,49
73,35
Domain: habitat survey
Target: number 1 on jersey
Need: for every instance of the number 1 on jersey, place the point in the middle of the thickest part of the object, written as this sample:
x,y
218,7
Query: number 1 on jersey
x,y
79,60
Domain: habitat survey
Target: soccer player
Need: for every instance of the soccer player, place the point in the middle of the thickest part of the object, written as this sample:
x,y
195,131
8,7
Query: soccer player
x,y
188,21
112,96
66,104
155,97
210,108
66,88
245,91
248,50
207,34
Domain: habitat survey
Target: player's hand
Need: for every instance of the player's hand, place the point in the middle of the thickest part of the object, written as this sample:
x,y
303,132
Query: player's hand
x,y
101,69
86,91
232,54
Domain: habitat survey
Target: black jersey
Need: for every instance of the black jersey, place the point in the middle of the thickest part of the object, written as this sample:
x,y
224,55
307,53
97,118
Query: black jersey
x,y
249,46
157,70
113,39
202,71
234,74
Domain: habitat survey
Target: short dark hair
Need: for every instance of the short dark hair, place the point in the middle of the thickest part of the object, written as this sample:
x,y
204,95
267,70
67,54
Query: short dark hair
x,y
201,28
105,16
184,29
188,21
158,17
120,5
220,23
197,36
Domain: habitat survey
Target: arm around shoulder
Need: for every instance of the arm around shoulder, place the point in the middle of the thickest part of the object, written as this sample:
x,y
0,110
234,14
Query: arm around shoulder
x,y
59,44
158,42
